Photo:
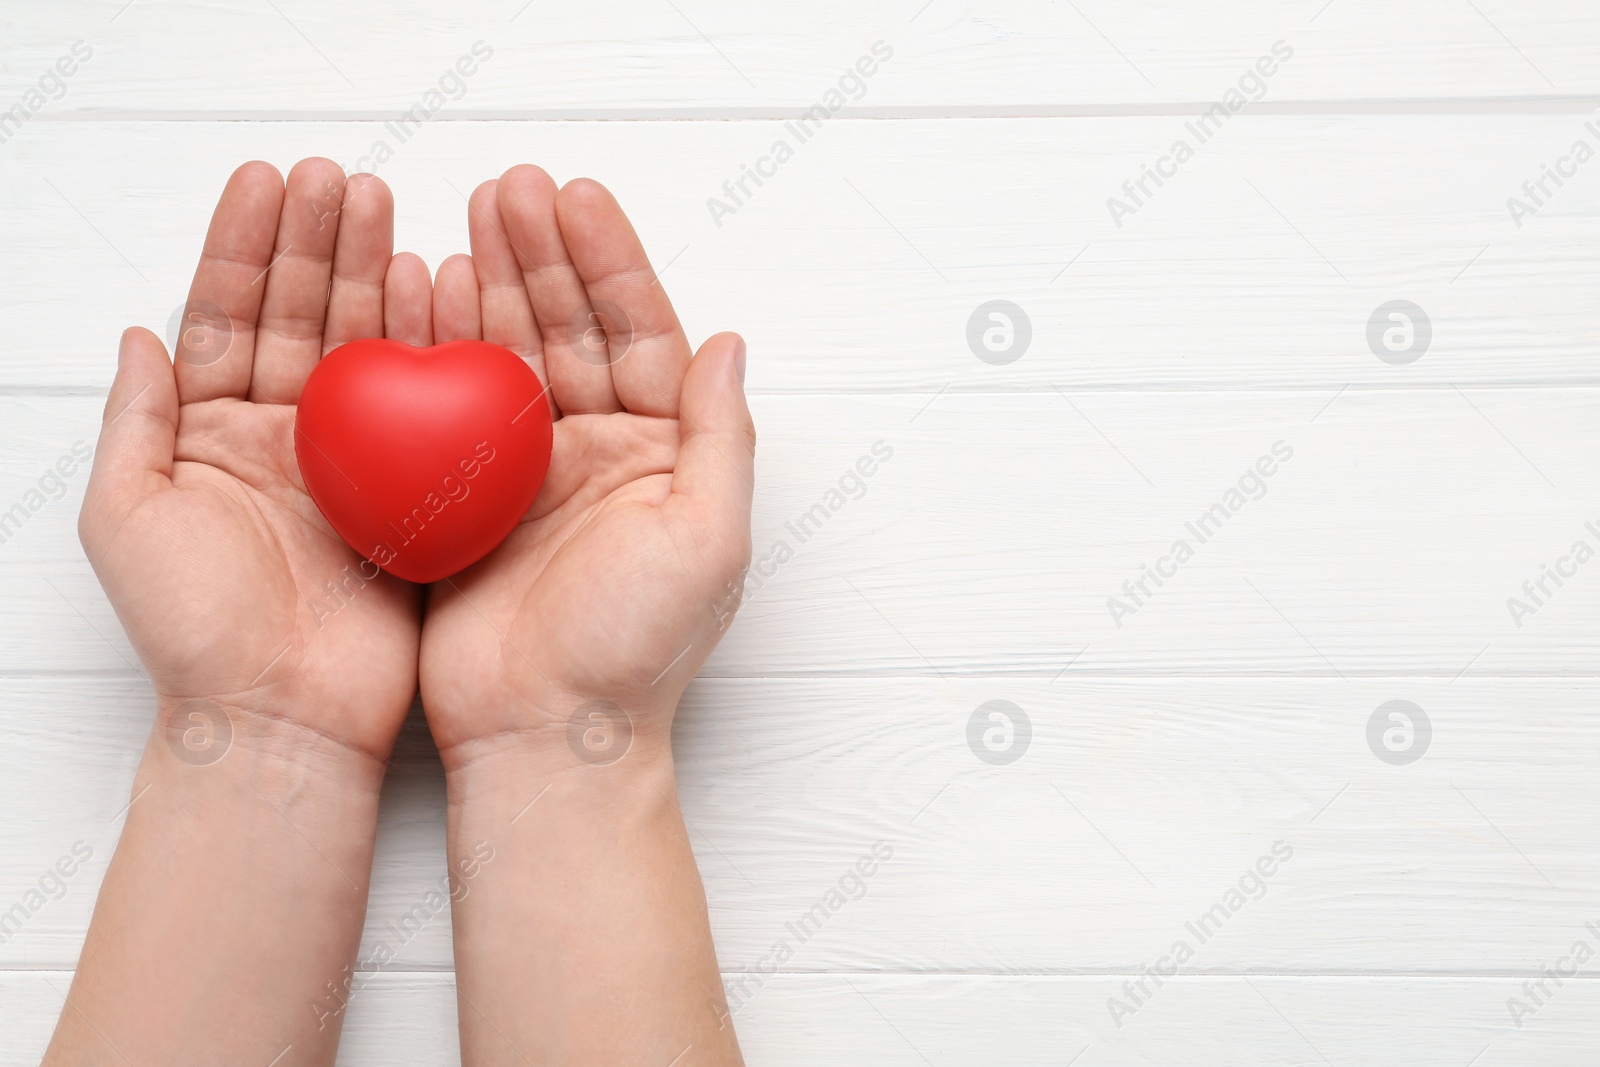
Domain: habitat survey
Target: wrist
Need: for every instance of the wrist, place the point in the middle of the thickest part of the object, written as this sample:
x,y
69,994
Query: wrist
x,y
269,748
564,732
497,782
245,838
259,794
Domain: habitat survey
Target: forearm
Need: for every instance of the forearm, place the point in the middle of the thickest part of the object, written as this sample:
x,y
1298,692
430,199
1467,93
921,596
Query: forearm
x,y
233,905
585,941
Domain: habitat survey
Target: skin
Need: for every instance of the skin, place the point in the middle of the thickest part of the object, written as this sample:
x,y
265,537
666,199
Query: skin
x,y
231,913
249,837
609,595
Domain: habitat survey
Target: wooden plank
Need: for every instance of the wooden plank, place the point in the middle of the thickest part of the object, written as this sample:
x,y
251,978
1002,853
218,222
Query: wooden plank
x,y
1260,264
405,1019
1011,532
1225,722
1132,809
703,56
1032,1021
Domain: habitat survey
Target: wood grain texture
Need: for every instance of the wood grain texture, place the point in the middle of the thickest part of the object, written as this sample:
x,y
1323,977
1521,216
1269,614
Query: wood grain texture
x,y
962,1021
858,266
1170,746
1000,533
1136,807
713,57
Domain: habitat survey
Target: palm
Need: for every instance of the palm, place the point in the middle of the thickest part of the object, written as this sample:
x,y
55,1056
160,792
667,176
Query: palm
x,y
278,601
567,609
229,582
616,583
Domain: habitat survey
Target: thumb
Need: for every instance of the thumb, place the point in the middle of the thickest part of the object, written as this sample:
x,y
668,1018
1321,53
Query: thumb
x,y
134,455
715,476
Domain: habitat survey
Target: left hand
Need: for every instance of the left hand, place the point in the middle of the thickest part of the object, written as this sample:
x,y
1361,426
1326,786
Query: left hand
x,y
626,571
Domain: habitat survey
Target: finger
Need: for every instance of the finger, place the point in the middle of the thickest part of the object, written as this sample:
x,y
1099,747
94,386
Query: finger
x,y
507,309
216,344
294,310
134,455
360,261
408,301
580,373
456,314
646,344
715,475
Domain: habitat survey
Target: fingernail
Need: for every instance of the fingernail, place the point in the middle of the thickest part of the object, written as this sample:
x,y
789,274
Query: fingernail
x,y
738,361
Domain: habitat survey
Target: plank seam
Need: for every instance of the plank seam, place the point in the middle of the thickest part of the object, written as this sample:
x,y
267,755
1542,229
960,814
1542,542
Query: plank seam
x,y
1549,103
1392,976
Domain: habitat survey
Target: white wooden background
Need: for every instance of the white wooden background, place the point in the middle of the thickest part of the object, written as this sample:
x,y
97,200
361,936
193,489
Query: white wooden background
x,y
1228,314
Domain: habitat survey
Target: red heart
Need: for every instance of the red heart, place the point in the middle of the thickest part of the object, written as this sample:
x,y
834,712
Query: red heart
x,y
423,459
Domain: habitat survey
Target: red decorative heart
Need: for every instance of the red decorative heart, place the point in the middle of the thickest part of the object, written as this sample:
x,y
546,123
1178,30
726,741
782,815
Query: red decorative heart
x,y
423,459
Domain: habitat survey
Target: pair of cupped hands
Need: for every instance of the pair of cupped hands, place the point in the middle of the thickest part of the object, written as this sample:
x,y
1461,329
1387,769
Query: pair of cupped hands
x,y
615,585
